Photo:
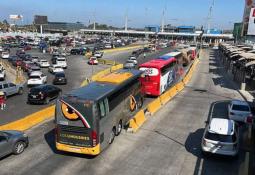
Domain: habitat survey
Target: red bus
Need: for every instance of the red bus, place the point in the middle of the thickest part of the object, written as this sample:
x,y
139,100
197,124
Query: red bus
x,y
159,74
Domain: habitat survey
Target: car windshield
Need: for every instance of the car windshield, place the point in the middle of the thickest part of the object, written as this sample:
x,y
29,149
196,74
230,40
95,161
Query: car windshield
x,y
219,137
35,77
60,75
240,108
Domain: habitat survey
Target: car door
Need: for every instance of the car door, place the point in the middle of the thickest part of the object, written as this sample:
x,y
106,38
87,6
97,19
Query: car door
x,y
5,148
6,89
13,88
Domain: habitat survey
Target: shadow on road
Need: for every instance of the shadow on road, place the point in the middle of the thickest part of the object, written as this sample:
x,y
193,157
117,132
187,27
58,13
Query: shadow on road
x,y
214,164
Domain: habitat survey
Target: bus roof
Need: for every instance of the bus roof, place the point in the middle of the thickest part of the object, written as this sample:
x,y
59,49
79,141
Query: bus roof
x,y
115,78
157,63
97,90
173,54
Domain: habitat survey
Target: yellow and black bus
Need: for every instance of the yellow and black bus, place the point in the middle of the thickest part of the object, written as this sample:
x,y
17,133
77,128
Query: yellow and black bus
x,y
87,119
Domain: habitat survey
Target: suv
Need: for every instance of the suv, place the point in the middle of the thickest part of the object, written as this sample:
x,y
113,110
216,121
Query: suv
x,y
61,61
221,136
11,88
36,78
239,110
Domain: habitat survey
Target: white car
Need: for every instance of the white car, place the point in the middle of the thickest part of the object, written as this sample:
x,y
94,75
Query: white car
x,y
2,74
221,136
5,55
35,59
44,64
108,46
98,54
36,78
55,68
132,58
239,110
61,61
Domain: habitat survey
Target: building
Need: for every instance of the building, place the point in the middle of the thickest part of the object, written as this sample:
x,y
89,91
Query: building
x,y
152,28
186,29
169,28
214,31
64,26
237,32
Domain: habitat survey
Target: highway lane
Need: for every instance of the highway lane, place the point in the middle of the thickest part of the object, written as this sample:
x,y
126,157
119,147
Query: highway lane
x,y
168,143
77,71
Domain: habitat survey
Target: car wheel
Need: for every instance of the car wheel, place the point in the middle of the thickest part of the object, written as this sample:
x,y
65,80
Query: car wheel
x,y
112,135
119,128
47,100
20,92
140,103
19,147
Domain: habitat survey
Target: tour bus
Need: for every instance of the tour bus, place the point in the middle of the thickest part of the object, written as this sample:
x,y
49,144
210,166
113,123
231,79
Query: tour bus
x,y
87,119
159,74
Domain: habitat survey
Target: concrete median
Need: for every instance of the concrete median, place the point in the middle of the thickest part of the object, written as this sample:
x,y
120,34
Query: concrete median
x,y
154,106
138,120
164,98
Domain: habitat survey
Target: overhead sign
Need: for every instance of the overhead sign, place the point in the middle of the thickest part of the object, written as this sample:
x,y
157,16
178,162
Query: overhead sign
x,y
251,25
40,20
16,17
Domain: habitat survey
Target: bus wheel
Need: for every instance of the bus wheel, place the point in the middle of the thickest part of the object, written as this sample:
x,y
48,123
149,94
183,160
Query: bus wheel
x,y
112,136
119,128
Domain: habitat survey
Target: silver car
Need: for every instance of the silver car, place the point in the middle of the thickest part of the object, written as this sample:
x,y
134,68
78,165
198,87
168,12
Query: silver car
x,y
11,89
12,142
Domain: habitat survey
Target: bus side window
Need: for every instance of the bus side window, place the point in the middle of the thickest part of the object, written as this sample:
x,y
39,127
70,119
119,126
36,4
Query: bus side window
x,y
104,108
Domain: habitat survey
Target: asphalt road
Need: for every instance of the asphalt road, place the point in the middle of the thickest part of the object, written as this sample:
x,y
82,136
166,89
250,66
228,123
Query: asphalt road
x,y
77,71
168,143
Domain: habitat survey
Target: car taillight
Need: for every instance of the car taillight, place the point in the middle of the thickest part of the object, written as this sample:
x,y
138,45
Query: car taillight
x,y
94,138
249,119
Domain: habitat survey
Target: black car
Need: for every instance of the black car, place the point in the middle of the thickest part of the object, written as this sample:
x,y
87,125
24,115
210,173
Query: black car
x,y
75,51
12,142
43,94
60,78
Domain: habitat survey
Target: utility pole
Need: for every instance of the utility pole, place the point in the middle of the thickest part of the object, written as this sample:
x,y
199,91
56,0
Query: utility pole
x,y
126,20
94,15
209,18
163,21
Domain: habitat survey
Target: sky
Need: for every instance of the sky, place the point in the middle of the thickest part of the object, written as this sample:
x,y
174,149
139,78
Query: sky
x,y
139,12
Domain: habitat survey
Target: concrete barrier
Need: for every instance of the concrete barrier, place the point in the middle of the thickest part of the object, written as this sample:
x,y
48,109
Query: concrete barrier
x,y
137,121
30,120
179,86
165,97
154,106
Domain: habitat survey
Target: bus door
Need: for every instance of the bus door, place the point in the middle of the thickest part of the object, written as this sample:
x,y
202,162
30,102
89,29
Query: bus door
x,y
105,121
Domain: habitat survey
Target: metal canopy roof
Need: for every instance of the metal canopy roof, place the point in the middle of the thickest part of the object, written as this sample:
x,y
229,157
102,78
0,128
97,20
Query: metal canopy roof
x,y
248,55
249,63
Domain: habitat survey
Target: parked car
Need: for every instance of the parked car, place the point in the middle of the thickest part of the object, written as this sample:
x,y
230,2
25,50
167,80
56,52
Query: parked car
x,y
26,65
75,52
98,54
60,78
33,69
132,58
35,59
44,64
5,55
93,61
55,68
61,61
221,136
43,94
2,74
11,88
129,65
12,142
36,78
238,110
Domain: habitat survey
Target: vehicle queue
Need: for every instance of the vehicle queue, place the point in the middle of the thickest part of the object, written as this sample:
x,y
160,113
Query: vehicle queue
x,y
86,118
